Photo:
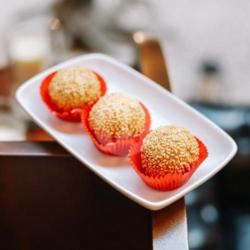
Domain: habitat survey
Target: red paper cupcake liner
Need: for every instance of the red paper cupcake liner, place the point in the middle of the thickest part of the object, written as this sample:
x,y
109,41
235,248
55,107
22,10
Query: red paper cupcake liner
x,y
113,146
74,115
169,181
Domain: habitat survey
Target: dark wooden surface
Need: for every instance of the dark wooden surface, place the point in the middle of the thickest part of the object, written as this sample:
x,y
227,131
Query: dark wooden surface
x,y
49,200
56,203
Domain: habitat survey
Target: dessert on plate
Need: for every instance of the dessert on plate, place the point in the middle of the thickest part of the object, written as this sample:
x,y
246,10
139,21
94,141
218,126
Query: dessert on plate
x,y
167,157
68,91
116,121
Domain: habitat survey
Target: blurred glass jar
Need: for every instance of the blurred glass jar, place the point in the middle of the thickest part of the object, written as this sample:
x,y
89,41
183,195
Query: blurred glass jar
x,y
29,48
29,52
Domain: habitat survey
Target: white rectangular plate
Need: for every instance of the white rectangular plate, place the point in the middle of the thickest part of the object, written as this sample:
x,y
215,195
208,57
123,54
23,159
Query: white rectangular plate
x,y
164,107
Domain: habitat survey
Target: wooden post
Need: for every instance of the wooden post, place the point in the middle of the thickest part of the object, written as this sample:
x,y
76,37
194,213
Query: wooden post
x,y
170,224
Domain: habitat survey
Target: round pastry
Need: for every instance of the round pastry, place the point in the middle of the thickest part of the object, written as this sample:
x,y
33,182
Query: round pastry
x,y
68,91
115,120
167,157
118,115
168,150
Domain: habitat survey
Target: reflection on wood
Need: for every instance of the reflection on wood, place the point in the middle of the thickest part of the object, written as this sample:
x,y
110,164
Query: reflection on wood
x,y
170,227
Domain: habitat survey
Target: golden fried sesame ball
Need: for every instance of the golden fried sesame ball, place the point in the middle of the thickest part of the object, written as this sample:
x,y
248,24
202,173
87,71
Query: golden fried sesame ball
x,y
168,149
118,115
74,88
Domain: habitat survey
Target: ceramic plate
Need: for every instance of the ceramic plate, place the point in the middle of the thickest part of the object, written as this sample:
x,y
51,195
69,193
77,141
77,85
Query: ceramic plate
x,y
164,107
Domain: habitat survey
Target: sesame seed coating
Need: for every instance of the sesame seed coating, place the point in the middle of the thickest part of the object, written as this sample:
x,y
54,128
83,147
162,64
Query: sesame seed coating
x,y
118,115
168,149
74,88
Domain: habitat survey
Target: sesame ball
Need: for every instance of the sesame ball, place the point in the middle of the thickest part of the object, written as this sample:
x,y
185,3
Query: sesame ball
x,y
74,88
118,115
168,150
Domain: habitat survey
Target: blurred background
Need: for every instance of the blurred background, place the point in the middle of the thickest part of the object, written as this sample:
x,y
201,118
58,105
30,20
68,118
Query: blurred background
x,y
206,45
